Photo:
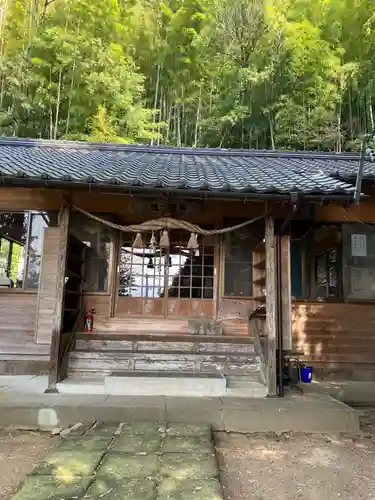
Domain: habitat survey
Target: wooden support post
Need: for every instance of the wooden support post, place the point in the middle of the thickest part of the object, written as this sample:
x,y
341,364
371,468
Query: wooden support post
x,y
47,286
64,219
271,306
114,272
286,296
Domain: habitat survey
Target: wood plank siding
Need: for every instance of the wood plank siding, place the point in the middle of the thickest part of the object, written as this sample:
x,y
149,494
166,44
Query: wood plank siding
x,y
338,340
18,319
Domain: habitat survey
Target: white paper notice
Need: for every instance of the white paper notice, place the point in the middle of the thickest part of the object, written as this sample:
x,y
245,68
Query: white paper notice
x,y
359,245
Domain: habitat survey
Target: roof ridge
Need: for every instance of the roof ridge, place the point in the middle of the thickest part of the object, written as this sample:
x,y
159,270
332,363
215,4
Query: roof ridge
x,y
116,147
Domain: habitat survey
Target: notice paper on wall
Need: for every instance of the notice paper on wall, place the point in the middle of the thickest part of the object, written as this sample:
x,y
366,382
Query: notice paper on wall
x,y
359,245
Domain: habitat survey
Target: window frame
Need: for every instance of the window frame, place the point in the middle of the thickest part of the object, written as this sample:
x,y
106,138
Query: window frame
x,y
223,246
164,275
23,289
111,257
338,265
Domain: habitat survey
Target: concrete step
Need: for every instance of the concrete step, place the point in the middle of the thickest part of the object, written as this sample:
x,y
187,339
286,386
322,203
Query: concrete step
x,y
151,383
241,381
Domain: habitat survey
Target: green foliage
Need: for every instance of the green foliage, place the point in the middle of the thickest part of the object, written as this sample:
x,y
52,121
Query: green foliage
x,y
247,73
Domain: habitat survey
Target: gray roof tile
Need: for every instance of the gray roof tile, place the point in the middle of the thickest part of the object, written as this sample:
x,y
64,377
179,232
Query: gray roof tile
x,y
213,170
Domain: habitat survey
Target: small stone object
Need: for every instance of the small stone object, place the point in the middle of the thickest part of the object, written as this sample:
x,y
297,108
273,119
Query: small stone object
x,y
47,419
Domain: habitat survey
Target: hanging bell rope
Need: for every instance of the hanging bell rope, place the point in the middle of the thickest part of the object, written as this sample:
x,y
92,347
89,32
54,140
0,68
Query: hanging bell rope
x,y
153,242
168,223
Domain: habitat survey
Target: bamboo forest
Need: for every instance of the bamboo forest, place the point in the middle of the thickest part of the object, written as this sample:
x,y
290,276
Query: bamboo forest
x,y
280,74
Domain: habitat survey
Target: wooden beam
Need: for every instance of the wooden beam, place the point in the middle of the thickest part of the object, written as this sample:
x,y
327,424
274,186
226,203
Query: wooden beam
x,y
64,219
286,296
271,306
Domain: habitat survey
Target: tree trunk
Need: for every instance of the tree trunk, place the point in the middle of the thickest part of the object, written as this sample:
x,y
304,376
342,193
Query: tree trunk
x,y
197,118
156,99
58,104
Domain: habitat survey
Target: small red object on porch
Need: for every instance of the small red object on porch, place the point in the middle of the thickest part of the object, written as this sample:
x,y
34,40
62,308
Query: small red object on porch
x,y
89,321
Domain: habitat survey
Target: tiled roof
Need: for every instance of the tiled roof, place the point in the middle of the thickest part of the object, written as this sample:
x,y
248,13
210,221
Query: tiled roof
x,y
208,170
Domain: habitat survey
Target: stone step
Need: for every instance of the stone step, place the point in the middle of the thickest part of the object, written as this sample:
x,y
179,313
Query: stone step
x,y
148,335
104,362
168,346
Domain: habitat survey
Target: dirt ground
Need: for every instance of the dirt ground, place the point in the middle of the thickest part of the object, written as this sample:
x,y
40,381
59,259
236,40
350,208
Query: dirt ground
x,y
299,466
20,452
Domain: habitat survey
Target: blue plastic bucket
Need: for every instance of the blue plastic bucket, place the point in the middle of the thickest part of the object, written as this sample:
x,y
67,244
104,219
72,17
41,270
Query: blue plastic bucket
x,y
306,374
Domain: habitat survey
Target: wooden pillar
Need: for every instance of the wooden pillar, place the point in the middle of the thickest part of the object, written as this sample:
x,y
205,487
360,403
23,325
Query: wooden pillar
x,y
286,295
114,272
47,286
271,306
64,219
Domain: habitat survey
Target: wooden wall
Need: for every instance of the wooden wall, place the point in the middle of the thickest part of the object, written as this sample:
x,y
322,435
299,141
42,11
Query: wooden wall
x,y
18,320
337,339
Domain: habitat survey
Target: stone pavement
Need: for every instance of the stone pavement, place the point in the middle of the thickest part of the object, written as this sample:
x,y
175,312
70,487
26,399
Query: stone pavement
x,y
128,461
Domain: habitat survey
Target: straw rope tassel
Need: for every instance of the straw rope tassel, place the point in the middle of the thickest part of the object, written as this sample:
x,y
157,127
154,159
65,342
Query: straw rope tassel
x,y
193,242
138,242
164,240
153,242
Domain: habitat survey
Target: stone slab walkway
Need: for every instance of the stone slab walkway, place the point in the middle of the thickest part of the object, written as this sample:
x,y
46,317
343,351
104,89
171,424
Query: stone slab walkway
x,y
128,461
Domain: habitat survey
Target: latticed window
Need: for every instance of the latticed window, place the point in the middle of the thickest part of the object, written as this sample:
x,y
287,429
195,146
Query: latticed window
x,y
175,272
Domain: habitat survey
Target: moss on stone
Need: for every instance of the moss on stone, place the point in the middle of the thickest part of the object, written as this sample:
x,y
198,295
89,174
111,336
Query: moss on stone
x,y
187,444
184,466
122,489
137,443
64,463
152,428
121,466
86,443
52,488
103,429
176,429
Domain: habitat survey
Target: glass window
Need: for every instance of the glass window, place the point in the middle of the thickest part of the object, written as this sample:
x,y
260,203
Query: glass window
x,y
176,271
21,242
97,237
239,246
38,224
13,239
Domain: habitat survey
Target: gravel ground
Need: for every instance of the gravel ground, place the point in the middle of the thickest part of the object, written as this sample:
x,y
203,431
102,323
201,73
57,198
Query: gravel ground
x,y
299,466
20,452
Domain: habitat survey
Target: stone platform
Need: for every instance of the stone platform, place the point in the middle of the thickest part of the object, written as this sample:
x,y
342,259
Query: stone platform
x,y
295,412
138,461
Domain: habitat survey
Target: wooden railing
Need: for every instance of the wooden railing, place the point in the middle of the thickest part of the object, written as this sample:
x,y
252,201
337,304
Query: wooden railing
x,y
259,345
60,353
67,343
